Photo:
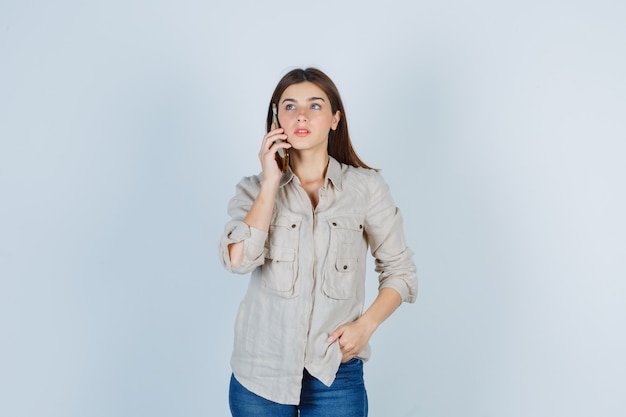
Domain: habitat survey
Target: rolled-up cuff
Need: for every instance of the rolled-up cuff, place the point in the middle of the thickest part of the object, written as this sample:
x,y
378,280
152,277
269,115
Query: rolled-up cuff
x,y
408,293
254,244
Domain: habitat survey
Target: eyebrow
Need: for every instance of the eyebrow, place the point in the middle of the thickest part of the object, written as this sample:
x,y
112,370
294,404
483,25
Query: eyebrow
x,y
309,99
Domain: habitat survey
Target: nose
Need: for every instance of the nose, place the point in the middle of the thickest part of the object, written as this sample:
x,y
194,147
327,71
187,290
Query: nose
x,y
302,116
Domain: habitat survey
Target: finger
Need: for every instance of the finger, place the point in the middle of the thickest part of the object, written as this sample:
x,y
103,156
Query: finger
x,y
272,139
281,142
275,147
346,347
274,130
336,334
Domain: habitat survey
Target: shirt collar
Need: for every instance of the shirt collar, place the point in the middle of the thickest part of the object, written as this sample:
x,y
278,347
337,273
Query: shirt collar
x,y
333,174
287,177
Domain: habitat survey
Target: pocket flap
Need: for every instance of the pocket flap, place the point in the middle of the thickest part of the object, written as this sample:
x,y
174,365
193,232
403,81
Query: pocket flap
x,y
278,254
345,264
346,222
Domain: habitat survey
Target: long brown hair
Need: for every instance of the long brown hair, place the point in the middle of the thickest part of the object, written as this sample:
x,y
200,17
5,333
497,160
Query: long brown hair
x,y
339,144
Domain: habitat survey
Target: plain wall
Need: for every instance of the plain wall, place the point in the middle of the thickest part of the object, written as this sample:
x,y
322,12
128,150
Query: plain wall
x,y
500,127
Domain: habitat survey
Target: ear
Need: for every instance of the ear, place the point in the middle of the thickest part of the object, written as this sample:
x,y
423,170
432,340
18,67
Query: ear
x,y
336,119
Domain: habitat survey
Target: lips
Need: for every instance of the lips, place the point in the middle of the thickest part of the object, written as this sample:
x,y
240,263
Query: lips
x,y
301,131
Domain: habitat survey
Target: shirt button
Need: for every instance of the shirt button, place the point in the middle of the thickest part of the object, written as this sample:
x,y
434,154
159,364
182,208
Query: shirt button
x,y
360,226
345,267
334,223
293,226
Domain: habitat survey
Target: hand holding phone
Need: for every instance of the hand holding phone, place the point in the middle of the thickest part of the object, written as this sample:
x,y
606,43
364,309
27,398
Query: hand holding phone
x,y
283,154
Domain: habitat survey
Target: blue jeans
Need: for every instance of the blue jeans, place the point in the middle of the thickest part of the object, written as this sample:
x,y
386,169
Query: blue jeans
x,y
346,397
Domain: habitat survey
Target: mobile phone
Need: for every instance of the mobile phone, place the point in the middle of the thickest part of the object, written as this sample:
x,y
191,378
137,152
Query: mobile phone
x,y
283,154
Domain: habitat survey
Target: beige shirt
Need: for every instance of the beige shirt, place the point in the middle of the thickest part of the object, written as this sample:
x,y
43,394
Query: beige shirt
x,y
308,275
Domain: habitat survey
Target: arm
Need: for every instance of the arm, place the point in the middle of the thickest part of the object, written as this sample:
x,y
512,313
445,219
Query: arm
x,y
260,213
397,277
353,337
258,217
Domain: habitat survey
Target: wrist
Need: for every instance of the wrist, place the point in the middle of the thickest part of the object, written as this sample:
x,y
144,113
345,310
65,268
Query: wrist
x,y
368,322
269,187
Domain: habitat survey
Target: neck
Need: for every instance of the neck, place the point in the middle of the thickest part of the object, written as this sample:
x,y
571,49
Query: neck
x,y
309,167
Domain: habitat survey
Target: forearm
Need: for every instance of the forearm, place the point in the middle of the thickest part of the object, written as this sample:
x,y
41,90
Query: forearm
x,y
353,337
387,301
260,213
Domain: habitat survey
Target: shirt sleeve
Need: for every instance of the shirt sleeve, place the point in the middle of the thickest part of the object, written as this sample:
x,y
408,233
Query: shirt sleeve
x,y
236,230
385,233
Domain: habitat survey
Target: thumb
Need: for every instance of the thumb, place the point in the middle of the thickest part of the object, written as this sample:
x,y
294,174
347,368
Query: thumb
x,y
336,334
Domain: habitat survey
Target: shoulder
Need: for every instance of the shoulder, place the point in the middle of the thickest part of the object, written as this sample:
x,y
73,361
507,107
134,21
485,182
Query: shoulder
x,y
368,183
250,185
362,176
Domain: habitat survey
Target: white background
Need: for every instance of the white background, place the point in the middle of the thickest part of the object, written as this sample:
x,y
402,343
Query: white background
x,y
500,127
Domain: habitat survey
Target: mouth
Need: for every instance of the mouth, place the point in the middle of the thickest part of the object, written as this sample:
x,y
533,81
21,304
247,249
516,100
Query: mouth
x,y
301,131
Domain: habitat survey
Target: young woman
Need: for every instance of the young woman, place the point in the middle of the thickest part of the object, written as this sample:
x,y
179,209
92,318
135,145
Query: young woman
x,y
301,335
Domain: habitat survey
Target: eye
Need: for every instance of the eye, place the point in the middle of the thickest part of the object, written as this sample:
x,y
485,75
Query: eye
x,y
316,106
290,107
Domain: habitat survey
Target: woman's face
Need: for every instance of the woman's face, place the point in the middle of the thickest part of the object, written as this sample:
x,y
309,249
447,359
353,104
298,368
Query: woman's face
x,y
304,111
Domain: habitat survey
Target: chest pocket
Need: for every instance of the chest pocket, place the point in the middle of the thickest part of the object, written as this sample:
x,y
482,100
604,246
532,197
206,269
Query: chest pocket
x,y
342,269
279,273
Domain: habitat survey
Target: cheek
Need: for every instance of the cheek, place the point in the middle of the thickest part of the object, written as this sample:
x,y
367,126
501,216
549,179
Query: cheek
x,y
329,120
285,119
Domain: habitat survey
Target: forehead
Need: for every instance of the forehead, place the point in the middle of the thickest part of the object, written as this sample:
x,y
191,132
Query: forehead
x,y
303,91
